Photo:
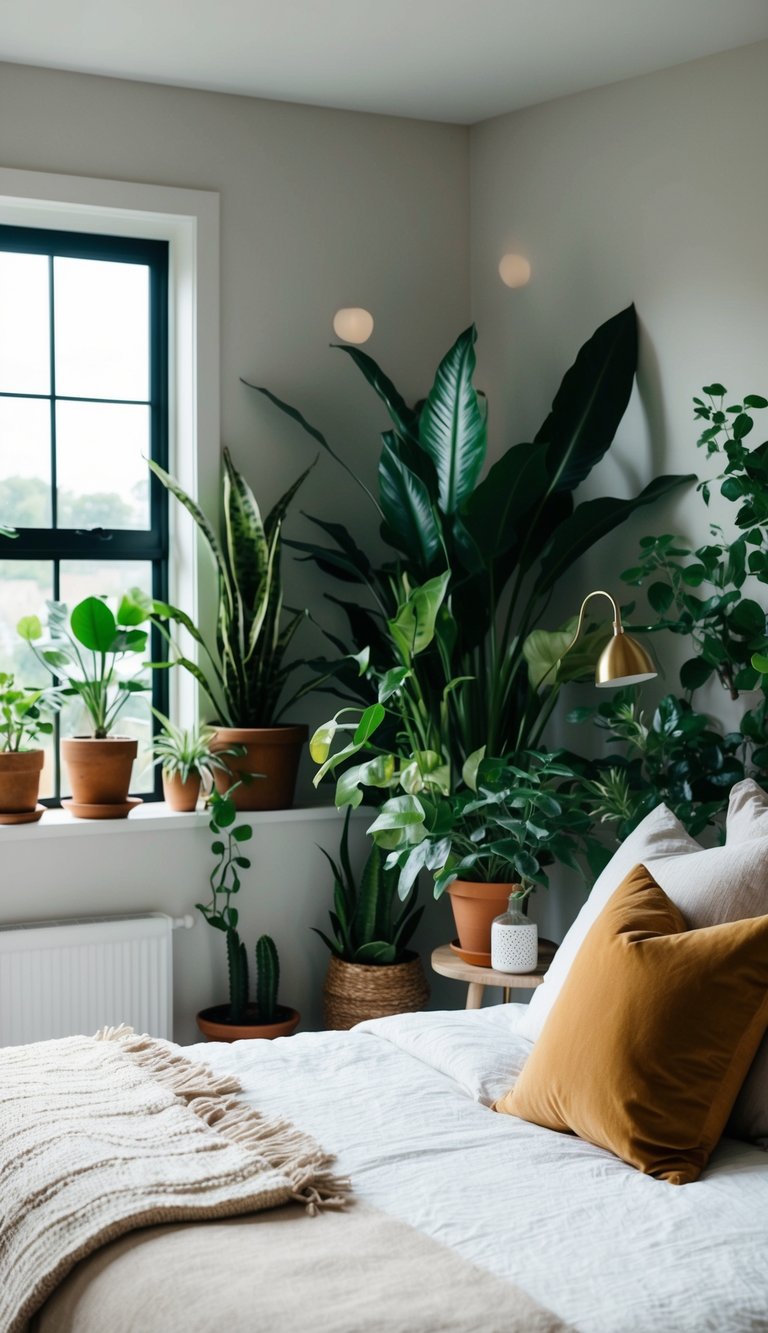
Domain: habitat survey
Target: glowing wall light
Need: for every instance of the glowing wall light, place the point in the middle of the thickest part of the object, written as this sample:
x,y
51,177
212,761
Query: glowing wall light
x,y
353,324
514,270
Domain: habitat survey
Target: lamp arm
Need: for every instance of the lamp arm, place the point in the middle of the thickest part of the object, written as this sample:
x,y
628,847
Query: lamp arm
x,y
617,625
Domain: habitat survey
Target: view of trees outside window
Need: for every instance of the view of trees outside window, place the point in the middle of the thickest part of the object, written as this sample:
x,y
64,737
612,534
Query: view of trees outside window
x,y
75,433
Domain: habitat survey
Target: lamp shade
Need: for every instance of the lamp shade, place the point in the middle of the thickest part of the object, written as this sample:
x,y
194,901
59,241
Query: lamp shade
x,y
623,662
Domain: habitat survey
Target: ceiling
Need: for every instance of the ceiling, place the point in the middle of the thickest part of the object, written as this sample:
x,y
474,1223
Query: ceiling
x,y
451,60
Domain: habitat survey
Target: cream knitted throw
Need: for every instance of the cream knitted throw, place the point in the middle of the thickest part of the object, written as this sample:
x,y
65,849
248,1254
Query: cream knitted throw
x,y
99,1135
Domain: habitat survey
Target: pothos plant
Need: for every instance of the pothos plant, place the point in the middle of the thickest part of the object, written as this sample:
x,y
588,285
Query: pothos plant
x,y
221,914
445,621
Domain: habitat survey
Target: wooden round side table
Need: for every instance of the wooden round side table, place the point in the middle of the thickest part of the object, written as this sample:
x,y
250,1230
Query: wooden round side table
x,y
447,964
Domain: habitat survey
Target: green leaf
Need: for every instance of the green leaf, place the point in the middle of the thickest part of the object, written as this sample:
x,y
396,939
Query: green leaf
x,y
413,628
502,503
543,650
246,542
661,597
755,400
406,504
592,520
403,417
760,663
30,628
391,681
452,426
135,606
398,813
369,723
714,390
591,401
694,673
470,767
742,425
375,952
93,625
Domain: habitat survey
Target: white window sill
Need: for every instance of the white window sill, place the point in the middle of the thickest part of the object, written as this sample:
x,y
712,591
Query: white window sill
x,y
155,817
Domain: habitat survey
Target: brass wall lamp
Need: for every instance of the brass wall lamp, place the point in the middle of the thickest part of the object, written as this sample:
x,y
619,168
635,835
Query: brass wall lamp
x,y
623,660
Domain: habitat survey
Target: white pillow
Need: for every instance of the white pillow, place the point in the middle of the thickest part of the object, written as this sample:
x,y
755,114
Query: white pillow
x,y
747,812
659,834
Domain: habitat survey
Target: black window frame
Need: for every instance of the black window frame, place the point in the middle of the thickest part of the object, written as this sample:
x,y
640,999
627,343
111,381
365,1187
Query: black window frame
x,y
150,545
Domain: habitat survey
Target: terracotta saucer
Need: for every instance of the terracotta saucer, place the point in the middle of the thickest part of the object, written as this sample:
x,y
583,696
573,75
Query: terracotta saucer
x,y
24,816
120,810
466,955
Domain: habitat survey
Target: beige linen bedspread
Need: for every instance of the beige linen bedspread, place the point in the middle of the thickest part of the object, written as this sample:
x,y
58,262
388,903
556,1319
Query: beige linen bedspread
x,y
357,1271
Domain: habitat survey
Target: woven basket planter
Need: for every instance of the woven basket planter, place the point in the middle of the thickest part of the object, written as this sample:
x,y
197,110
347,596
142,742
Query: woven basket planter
x,y
354,992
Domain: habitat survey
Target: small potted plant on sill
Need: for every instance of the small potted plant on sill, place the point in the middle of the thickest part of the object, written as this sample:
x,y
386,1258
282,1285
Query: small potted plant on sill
x,y
239,1018
187,761
245,674
372,970
88,649
25,716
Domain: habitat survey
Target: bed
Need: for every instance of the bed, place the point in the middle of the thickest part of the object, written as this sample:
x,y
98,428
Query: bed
x,y
461,1218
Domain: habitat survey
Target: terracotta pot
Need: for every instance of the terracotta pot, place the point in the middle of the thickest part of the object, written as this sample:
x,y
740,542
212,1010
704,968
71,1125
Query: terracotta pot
x,y
356,991
474,908
19,785
181,795
99,771
271,751
213,1024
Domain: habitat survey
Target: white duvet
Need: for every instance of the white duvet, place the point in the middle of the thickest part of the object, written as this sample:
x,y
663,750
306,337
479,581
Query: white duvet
x,y
403,1102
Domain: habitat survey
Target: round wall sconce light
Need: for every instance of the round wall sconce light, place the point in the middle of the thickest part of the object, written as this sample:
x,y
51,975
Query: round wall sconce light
x,y
353,324
514,270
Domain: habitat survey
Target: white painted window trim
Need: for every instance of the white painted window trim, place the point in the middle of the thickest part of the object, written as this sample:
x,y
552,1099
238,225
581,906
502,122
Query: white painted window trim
x,y
189,221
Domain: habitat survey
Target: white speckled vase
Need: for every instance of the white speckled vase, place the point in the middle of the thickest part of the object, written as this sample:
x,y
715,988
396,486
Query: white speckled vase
x,y
514,940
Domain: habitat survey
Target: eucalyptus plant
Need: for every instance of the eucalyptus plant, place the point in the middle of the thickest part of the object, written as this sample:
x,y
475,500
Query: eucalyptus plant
x,y
243,671
87,649
369,924
488,549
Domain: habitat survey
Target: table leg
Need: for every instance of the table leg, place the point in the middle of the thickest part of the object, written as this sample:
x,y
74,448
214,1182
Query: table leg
x,y
475,995
506,992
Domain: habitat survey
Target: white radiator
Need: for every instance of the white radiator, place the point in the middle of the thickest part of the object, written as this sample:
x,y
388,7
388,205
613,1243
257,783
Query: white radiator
x,y
59,978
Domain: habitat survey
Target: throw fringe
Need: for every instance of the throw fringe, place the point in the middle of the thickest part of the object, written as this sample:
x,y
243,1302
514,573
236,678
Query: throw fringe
x,y
277,1143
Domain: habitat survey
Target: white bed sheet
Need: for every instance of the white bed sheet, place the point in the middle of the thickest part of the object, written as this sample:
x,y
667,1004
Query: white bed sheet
x,y
403,1104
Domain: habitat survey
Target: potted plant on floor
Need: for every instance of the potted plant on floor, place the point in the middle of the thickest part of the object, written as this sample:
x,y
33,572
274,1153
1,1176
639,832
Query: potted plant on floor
x,y
245,674
25,716
90,650
239,1018
187,761
372,970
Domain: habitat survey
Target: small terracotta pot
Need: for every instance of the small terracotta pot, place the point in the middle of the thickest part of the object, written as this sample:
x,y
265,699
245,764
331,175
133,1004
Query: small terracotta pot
x,y
99,771
19,784
474,908
271,751
213,1025
356,991
181,795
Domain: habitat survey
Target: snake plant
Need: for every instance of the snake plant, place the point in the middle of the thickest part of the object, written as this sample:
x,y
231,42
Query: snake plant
x,y
244,672
369,923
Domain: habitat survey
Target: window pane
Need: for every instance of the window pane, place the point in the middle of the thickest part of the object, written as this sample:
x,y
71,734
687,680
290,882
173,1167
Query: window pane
x,y
25,586
25,462
87,578
103,478
102,328
24,348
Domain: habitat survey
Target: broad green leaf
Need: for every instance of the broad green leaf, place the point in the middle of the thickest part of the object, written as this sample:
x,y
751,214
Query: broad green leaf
x,y
543,650
470,767
414,626
93,625
452,426
660,596
760,663
591,401
411,524
501,504
404,418
30,628
391,681
592,520
135,606
322,739
427,769
695,673
369,723
377,772
375,952
398,813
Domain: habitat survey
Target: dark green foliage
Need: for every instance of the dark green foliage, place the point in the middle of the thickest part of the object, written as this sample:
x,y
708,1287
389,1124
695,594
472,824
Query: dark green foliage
x,y
680,758
500,542
267,979
369,923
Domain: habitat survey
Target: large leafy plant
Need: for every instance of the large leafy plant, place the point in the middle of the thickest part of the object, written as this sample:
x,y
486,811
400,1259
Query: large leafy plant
x,y
244,672
369,924
91,649
474,558
513,817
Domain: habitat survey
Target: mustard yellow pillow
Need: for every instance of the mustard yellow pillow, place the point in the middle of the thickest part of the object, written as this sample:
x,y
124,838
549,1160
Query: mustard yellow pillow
x,y
652,1034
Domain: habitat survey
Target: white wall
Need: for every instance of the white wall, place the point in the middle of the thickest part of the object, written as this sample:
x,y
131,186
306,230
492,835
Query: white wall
x,y
654,191
319,209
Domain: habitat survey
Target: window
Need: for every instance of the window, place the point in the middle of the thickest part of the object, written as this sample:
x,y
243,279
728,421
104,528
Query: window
x,y
83,403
